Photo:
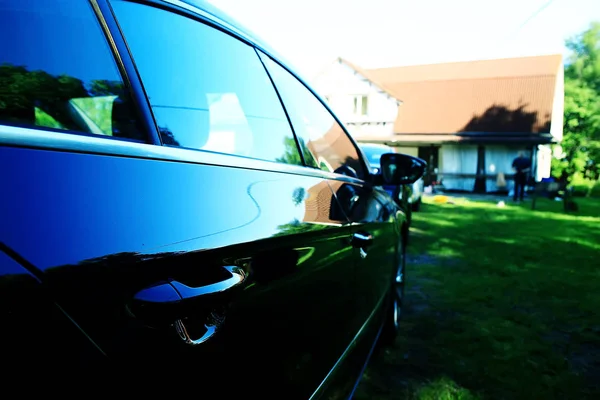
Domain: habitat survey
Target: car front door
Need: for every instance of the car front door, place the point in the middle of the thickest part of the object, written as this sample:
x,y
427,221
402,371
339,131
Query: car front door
x,y
216,261
375,221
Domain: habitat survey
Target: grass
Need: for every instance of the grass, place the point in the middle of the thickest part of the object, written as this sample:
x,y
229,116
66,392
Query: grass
x,y
502,303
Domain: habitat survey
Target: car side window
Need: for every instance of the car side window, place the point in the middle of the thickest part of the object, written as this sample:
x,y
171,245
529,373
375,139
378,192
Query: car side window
x,y
324,142
57,71
208,90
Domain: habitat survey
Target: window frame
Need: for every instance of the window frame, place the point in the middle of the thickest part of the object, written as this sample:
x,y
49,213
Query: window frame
x,y
127,68
79,142
199,16
130,86
360,104
337,176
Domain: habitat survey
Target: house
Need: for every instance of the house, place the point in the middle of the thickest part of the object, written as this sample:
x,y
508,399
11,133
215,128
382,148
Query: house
x,y
468,120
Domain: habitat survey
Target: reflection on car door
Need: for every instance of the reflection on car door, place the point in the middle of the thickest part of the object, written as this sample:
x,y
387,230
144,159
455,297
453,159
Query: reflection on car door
x,y
153,249
371,212
377,233
138,227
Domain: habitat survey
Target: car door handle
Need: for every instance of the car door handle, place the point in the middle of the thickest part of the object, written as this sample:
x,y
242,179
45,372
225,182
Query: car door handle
x,y
362,240
173,300
187,293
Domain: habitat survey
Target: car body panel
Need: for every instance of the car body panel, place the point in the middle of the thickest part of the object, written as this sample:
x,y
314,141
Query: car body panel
x,y
36,330
99,223
101,228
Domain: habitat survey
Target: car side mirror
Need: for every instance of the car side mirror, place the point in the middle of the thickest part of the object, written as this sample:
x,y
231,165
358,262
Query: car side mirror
x,y
401,169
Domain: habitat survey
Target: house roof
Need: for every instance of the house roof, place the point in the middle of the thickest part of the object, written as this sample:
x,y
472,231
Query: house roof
x,y
505,95
415,139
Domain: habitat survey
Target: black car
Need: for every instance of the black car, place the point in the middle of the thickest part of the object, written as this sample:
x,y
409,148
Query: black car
x,y
181,212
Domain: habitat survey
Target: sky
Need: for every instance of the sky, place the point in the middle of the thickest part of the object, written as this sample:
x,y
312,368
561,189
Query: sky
x,y
310,34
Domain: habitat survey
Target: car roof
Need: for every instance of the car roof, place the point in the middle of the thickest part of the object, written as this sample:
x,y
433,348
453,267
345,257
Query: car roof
x,y
227,21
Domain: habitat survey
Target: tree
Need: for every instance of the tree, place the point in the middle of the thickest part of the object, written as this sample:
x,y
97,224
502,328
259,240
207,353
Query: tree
x,y
581,142
291,155
37,97
102,87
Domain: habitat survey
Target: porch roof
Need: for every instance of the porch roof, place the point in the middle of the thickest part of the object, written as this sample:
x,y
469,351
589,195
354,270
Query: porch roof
x,y
421,139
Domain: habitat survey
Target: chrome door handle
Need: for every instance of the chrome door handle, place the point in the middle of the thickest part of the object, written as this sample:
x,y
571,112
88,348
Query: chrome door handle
x,y
181,330
212,325
173,300
238,276
215,319
362,240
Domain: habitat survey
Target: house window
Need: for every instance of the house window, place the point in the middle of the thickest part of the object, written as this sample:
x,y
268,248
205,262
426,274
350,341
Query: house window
x,y
360,105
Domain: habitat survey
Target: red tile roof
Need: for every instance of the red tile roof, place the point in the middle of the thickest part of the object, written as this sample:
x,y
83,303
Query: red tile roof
x,y
505,95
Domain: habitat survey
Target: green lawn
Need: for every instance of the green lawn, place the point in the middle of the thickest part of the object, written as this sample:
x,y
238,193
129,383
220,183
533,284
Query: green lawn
x,y
502,303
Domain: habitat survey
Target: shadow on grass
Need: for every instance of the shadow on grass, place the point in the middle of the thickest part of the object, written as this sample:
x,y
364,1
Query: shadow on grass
x,y
500,303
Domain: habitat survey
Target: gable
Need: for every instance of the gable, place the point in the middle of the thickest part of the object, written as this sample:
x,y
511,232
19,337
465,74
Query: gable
x,y
340,85
338,78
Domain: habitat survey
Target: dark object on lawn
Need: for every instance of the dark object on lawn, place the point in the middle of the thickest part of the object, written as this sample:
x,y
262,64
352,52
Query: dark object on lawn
x,y
552,189
570,205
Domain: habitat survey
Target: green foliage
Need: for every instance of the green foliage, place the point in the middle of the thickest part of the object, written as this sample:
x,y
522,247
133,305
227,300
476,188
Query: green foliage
x,y
585,61
98,111
42,99
586,188
105,88
443,389
43,119
581,143
292,156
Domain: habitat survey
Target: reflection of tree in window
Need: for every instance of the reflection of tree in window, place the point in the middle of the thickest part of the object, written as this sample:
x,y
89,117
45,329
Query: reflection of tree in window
x,y
291,155
298,196
167,136
328,144
63,102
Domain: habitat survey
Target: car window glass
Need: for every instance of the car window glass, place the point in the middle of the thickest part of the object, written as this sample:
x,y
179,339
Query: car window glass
x,y
57,71
324,142
373,155
208,90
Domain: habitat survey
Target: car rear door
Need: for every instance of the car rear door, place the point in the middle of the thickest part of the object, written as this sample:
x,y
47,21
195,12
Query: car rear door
x,y
215,262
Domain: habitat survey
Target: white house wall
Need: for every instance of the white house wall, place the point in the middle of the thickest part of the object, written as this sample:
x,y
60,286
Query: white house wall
x,y
558,106
462,159
375,130
544,162
340,83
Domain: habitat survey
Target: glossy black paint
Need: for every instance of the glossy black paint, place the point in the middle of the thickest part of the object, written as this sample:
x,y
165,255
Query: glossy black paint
x,y
100,229
36,331
218,276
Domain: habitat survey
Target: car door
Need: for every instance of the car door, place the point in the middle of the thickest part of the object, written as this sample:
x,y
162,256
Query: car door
x,y
374,220
215,262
